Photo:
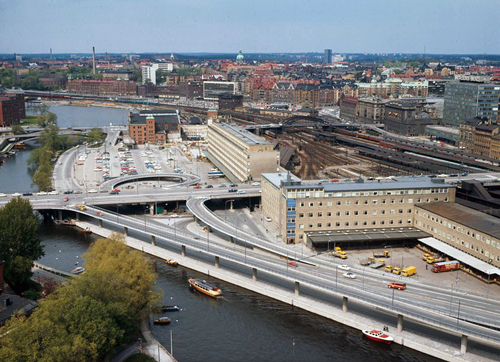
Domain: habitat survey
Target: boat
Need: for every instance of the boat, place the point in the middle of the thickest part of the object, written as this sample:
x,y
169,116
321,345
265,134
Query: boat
x,y
171,262
78,270
87,231
204,287
169,308
378,336
161,320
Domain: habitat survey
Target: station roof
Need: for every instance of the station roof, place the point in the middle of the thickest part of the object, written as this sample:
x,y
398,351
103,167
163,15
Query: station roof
x,y
242,134
460,256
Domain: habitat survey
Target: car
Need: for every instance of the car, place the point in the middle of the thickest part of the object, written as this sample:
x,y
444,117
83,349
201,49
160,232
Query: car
x,y
349,275
27,194
268,218
255,184
41,193
92,191
117,190
68,192
241,192
197,187
17,194
233,185
113,192
65,198
2,194
232,190
222,185
54,193
344,267
174,215
209,187
292,263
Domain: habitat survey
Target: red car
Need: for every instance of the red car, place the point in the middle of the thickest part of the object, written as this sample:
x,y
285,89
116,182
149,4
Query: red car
x,y
197,187
292,263
116,190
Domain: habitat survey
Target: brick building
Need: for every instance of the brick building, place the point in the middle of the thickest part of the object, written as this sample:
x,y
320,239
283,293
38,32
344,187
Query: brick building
x,y
111,87
155,127
12,109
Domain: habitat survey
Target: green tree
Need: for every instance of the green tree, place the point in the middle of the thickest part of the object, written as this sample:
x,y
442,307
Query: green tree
x,y
96,135
46,119
18,129
20,244
41,108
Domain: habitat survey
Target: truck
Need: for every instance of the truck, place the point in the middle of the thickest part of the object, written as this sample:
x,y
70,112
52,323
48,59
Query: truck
x,y
445,266
384,254
432,260
340,254
397,285
426,255
377,265
388,268
396,270
365,262
410,270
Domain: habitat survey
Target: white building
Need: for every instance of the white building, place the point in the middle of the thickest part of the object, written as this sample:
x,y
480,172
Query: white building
x,y
149,71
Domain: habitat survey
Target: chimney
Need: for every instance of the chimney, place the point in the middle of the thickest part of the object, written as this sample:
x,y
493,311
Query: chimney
x,y
93,60
50,53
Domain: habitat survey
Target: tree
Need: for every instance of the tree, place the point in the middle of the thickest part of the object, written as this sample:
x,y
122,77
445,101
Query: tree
x,y
96,135
88,317
17,129
20,244
46,119
41,108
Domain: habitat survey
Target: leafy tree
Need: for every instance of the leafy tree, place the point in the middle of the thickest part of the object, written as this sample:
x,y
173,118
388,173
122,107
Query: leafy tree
x,y
41,108
87,318
18,129
46,119
19,241
96,135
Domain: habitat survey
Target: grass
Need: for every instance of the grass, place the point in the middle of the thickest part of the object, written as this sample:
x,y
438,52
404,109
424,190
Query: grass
x,y
139,358
30,119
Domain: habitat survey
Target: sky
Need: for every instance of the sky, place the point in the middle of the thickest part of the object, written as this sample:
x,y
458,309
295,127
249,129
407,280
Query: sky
x,y
254,26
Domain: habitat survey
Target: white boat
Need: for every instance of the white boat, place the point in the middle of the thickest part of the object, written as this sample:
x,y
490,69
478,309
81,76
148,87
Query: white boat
x,y
78,270
378,336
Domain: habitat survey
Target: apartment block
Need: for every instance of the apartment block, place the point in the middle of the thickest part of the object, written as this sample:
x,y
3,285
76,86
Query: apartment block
x,y
12,109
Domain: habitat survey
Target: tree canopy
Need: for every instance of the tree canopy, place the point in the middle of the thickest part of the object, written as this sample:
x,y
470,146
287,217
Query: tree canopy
x,y
89,317
19,241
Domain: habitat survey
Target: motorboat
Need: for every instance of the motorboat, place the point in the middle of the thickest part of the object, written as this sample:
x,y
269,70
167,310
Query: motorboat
x,y
162,321
379,336
78,270
171,262
204,287
169,308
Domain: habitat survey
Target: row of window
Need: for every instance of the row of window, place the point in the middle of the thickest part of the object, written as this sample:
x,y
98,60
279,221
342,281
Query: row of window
x,y
355,223
365,202
318,192
353,213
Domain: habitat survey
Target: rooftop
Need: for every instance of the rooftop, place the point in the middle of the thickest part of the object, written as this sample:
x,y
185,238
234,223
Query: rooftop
x,y
242,134
474,219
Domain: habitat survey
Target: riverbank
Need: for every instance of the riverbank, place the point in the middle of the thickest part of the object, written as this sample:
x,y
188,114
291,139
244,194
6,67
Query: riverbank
x,y
359,322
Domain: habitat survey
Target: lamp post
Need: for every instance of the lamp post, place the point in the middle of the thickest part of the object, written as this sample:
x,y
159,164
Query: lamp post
x,y
244,244
145,211
225,210
458,312
451,294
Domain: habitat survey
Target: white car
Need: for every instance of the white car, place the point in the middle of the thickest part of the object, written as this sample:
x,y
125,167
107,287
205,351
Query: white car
x,y
255,184
2,194
268,218
344,267
92,191
17,194
241,192
349,275
54,193
41,193
174,215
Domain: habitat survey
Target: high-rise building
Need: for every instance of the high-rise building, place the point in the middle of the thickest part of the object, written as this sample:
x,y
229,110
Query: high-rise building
x,y
469,98
327,56
149,71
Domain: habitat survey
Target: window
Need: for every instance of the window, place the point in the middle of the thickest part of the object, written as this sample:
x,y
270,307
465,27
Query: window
x,y
301,214
301,204
320,225
356,213
346,223
320,214
328,214
337,224
338,213
347,213
311,214
311,204
365,202
320,203
339,203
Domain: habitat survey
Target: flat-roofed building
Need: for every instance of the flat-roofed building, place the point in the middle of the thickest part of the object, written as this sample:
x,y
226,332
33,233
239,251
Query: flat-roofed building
x,y
12,109
213,89
468,230
297,208
241,155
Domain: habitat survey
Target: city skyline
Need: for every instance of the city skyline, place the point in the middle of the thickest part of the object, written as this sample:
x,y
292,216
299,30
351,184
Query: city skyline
x,y
222,26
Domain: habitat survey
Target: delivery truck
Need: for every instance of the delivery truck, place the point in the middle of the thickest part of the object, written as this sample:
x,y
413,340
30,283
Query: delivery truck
x,y
445,266
406,272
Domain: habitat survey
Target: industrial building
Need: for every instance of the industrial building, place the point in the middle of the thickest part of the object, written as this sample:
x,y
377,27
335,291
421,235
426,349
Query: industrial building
x,y
213,89
155,127
302,209
12,109
239,154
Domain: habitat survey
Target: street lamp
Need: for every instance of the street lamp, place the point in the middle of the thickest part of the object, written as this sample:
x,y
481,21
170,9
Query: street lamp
x,y
225,210
451,293
244,244
145,210
458,313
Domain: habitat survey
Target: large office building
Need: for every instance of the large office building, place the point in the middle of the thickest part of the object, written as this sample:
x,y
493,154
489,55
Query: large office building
x,y
155,127
467,99
213,89
309,212
241,155
12,109
327,56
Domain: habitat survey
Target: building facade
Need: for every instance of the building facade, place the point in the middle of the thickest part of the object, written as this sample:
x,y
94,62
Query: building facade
x,y
465,100
406,118
155,127
468,230
240,153
212,89
149,71
12,109
297,208
327,56
111,87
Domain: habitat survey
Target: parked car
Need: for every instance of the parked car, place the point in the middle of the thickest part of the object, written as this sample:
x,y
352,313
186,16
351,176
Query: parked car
x,y
41,193
255,184
28,194
92,191
268,218
17,194
232,190
197,187
2,194
349,275
209,187
241,192
344,267
113,192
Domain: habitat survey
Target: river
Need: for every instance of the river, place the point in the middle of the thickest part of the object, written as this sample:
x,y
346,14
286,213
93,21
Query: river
x,y
240,326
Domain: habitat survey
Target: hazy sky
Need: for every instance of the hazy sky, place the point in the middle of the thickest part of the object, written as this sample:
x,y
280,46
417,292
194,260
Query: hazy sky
x,y
363,26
